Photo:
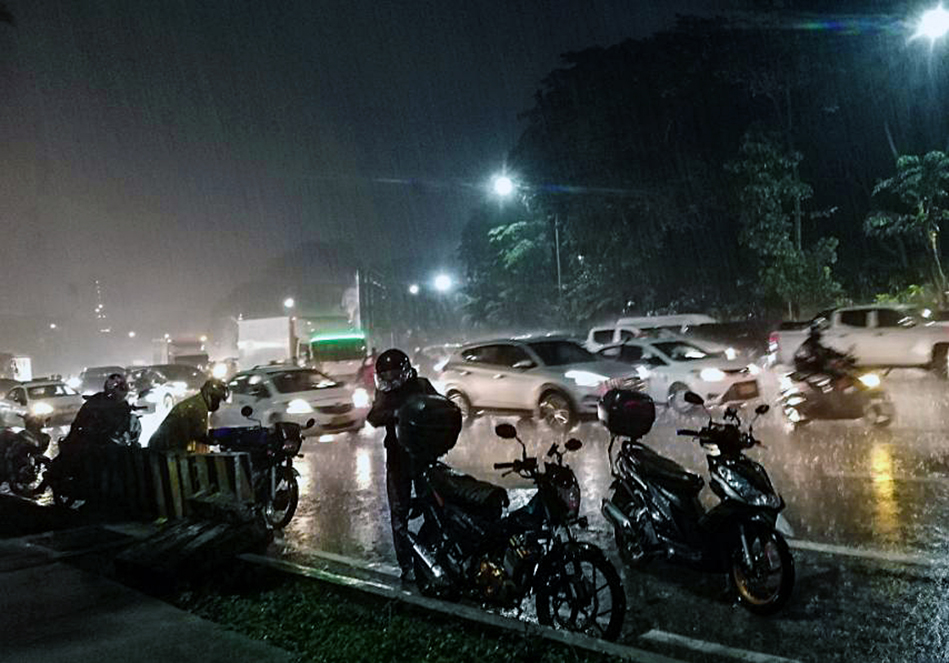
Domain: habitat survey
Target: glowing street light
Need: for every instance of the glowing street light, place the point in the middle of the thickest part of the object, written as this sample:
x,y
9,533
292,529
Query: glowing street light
x,y
503,186
131,334
413,289
289,302
52,325
933,24
443,283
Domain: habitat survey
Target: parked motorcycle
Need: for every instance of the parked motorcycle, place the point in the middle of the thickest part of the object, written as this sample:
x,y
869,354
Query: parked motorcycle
x,y
656,514
272,450
22,463
841,393
466,548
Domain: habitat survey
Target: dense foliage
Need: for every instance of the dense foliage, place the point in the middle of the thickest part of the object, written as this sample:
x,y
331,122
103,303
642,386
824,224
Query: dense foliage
x,y
717,166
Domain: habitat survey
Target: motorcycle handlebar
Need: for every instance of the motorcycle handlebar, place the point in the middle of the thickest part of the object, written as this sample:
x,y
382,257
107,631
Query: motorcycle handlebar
x,y
503,466
686,431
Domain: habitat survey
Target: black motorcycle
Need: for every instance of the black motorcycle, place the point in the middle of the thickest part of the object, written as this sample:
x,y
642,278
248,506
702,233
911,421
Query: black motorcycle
x,y
465,546
656,514
272,450
843,392
23,464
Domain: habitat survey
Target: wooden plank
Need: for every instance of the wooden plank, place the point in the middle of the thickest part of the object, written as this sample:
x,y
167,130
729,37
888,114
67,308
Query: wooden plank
x,y
224,484
203,475
185,464
243,488
174,485
156,462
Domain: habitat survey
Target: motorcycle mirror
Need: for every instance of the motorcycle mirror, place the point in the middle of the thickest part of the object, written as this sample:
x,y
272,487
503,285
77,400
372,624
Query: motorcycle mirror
x,y
505,431
246,411
762,409
309,423
573,444
731,413
693,398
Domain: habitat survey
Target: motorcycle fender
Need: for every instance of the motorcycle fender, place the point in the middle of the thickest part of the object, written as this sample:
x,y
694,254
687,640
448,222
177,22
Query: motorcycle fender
x,y
783,526
724,520
560,553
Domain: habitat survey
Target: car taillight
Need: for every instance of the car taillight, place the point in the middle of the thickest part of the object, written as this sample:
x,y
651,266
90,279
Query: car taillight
x,y
774,342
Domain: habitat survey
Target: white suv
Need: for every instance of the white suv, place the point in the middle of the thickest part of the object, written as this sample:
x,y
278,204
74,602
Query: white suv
x,y
556,380
288,393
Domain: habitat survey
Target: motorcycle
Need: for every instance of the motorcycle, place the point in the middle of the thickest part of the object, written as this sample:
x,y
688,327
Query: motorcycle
x,y
272,450
465,546
656,514
841,393
23,464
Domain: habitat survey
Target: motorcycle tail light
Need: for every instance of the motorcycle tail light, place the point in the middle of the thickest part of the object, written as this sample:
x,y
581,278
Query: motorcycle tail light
x,y
570,497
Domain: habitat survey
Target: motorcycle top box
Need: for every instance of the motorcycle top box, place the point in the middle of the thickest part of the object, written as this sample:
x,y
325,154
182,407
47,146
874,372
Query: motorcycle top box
x,y
627,413
428,426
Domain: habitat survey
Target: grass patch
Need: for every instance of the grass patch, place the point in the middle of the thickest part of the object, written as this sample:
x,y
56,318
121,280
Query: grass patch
x,y
316,622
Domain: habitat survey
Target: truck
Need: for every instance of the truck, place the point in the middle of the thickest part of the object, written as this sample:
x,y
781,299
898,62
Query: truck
x,y
330,345
877,336
15,367
189,352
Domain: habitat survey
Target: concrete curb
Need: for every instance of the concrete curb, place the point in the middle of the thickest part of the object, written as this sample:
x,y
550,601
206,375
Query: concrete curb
x,y
463,612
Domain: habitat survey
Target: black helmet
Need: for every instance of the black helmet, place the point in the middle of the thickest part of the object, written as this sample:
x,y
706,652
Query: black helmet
x,y
816,328
116,386
393,369
214,391
625,412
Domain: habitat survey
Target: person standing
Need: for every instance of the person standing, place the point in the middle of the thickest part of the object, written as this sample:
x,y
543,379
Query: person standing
x,y
396,382
187,424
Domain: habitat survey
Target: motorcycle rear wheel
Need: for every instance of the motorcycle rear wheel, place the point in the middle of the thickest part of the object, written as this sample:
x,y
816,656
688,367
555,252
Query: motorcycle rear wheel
x,y
765,586
584,595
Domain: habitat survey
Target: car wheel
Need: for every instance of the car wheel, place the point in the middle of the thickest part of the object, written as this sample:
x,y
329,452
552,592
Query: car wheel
x,y
556,411
463,404
676,398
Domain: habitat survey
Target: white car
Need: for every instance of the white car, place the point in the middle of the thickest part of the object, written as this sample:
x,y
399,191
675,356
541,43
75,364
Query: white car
x,y
52,399
673,367
287,393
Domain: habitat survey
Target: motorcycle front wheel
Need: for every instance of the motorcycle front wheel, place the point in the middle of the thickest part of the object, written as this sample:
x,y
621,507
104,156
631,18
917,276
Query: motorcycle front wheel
x,y
764,578
283,502
583,594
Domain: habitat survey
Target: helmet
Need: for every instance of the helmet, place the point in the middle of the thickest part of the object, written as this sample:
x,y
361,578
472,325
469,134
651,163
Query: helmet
x,y
393,369
815,329
214,391
116,387
627,413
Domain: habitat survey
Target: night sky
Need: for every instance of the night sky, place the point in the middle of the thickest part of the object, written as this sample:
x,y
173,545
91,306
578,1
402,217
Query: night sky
x,y
169,148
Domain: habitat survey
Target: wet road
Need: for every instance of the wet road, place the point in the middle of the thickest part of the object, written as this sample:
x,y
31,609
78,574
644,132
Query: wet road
x,y
870,510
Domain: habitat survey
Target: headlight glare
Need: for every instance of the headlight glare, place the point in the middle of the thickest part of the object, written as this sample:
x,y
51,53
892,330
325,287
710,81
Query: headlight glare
x,y
712,374
299,406
585,378
360,398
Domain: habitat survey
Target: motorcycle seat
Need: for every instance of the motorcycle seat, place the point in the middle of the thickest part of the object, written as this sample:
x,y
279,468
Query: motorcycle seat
x,y
665,471
467,491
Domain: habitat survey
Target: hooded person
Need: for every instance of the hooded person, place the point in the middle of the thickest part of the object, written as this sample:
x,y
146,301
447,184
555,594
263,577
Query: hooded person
x,y
105,418
396,382
186,426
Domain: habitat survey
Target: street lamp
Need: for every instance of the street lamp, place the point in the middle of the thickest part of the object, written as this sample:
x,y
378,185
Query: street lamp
x,y
503,186
933,24
413,289
289,302
443,283
52,325
131,334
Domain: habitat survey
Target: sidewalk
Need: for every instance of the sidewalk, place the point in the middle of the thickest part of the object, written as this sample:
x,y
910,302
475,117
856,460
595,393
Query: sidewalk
x,y
51,611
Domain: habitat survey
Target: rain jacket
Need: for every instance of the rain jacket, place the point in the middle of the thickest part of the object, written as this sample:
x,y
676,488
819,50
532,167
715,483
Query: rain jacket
x,y
100,420
386,404
186,423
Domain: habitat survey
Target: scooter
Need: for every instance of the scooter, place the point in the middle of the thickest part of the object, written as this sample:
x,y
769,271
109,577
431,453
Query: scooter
x,y
22,460
656,514
842,393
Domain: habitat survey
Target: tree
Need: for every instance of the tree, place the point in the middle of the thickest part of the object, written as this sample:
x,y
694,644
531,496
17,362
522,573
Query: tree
x,y
918,203
770,196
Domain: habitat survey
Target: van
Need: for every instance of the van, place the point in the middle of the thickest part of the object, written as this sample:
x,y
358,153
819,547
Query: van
x,y
628,328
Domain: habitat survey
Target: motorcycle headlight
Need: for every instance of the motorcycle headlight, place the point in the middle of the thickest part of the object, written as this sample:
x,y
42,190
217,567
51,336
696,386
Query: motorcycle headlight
x,y
870,380
585,378
41,409
299,406
360,398
712,375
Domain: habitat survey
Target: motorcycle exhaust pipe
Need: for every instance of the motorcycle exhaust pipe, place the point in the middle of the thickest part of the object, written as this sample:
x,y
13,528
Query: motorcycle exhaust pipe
x,y
615,516
433,567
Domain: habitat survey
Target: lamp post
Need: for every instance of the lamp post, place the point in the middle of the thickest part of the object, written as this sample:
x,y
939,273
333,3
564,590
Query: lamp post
x,y
933,24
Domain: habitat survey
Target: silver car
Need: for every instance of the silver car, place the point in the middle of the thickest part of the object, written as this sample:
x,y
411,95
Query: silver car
x,y
51,399
553,379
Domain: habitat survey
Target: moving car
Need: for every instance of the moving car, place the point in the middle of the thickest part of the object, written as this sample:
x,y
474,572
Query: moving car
x,y
151,389
52,399
673,367
288,393
553,379
91,379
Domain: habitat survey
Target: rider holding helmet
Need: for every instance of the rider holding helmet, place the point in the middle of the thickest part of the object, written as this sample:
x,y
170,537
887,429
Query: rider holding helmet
x,y
186,426
396,382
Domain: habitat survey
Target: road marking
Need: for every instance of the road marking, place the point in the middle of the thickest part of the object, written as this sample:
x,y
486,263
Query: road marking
x,y
932,478
912,559
704,647
379,567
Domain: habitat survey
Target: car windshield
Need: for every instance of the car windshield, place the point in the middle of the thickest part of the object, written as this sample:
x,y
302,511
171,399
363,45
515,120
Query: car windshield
x,y
561,353
181,373
305,380
679,351
49,391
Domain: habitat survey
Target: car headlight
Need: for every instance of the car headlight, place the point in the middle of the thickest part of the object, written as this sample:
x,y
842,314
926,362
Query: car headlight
x,y
74,383
731,353
642,372
178,387
219,371
299,406
585,378
41,409
754,369
870,380
712,375
360,398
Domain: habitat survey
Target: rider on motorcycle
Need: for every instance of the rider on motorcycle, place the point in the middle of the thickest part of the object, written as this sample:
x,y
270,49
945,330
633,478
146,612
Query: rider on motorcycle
x,y
106,417
396,381
186,426
814,358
